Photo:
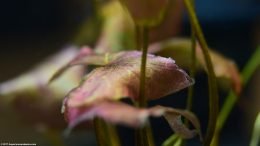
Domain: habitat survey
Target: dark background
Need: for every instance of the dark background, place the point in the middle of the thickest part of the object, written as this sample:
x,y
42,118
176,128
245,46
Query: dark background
x,y
30,30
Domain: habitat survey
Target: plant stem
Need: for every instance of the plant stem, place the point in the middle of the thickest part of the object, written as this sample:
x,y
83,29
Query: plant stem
x,y
112,135
192,66
106,134
192,72
171,140
256,132
138,37
101,140
144,135
143,35
213,94
231,99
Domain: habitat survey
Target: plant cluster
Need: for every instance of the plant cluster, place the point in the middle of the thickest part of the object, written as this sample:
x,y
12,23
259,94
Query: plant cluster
x,y
113,71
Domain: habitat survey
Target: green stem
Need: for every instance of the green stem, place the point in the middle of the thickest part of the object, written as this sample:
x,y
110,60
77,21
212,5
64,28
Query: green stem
x,y
256,132
149,135
144,135
112,135
179,142
101,139
138,37
171,140
213,94
192,72
231,99
105,133
174,140
192,66
143,35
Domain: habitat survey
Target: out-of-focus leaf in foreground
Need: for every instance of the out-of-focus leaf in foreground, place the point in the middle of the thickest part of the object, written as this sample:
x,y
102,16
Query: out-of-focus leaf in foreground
x,y
84,51
180,49
29,93
118,30
146,12
120,78
84,57
115,112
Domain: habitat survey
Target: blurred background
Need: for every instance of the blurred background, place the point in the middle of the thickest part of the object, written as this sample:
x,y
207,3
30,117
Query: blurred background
x,y
32,30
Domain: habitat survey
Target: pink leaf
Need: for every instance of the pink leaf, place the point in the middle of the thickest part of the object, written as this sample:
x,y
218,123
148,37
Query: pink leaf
x,y
173,116
120,78
115,112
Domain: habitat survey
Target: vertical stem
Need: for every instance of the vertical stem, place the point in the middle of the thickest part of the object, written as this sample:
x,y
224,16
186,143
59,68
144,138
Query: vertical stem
x,y
231,99
112,135
149,135
138,37
144,135
105,133
192,66
99,131
192,75
213,94
143,35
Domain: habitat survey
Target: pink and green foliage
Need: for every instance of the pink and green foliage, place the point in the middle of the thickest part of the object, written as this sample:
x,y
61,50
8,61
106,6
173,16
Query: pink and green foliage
x,y
114,39
99,92
119,78
116,74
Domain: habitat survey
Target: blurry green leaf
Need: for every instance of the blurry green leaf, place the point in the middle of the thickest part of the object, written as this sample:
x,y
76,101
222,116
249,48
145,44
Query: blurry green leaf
x,y
146,12
256,132
117,32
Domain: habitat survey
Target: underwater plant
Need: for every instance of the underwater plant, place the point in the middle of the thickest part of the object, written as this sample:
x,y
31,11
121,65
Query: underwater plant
x,y
134,57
